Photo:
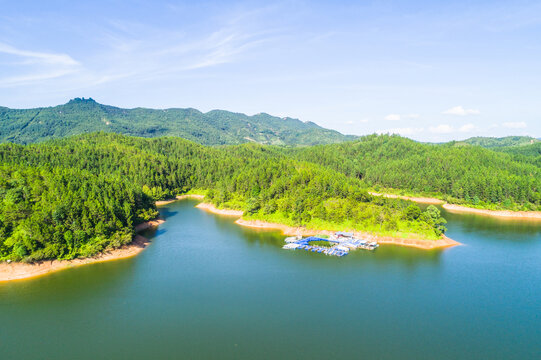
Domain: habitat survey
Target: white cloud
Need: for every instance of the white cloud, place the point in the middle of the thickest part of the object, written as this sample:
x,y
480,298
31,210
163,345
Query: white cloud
x,y
441,129
396,117
32,66
515,125
30,78
151,53
460,111
136,52
60,59
467,128
392,117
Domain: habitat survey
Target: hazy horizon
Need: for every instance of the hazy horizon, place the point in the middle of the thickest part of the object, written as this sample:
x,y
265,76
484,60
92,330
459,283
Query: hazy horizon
x,y
428,71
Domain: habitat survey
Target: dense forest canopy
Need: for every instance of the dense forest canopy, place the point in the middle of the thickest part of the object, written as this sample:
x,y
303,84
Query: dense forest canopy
x,y
77,196
458,173
527,153
57,212
215,127
495,143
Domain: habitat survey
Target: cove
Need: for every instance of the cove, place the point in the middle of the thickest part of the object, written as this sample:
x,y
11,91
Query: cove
x,y
208,288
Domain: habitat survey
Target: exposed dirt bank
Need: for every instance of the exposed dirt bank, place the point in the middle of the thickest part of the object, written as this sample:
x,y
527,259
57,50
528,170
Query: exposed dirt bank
x,y
211,208
423,200
179,197
530,215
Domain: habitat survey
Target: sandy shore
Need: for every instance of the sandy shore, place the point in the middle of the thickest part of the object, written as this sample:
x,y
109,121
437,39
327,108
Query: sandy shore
x,y
179,197
18,271
444,242
423,200
211,208
529,215
149,224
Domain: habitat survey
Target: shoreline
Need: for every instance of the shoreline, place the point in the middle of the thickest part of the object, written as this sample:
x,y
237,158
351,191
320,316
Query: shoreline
x,y
444,242
509,214
526,215
22,271
179,197
213,209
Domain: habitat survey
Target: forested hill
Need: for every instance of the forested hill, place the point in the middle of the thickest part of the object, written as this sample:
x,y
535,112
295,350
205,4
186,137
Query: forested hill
x,y
457,173
495,143
533,150
523,148
216,127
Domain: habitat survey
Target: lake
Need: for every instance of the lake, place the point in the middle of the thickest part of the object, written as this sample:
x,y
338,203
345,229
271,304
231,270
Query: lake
x,y
208,288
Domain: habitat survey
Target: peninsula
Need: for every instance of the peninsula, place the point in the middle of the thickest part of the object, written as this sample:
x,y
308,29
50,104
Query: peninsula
x,y
412,241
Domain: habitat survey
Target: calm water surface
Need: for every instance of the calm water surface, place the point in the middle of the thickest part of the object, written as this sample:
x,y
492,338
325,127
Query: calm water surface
x,y
207,288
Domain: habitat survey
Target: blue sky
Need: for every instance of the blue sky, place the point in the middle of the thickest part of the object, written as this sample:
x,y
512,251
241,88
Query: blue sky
x,y
429,70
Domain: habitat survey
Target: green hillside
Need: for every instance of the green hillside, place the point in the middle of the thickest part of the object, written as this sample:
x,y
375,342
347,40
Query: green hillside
x,y
459,174
215,127
526,150
494,143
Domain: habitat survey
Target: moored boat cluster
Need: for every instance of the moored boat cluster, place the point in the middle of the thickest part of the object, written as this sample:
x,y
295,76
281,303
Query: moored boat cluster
x,y
340,244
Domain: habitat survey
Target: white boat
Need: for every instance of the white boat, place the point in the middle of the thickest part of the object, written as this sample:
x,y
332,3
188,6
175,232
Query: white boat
x,y
291,246
292,239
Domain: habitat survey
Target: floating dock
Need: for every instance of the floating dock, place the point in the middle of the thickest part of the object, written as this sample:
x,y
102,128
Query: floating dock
x,y
339,245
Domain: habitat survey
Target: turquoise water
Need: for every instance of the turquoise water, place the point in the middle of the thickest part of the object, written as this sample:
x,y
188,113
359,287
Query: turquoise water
x,y
207,288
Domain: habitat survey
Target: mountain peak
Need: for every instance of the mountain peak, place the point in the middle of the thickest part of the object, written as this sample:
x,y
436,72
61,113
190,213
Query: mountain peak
x,y
82,100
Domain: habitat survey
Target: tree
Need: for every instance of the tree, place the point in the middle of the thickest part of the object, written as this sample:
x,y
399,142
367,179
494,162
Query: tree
x,y
432,215
413,212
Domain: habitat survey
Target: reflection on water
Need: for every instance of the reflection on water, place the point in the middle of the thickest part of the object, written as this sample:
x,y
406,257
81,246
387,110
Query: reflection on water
x,y
62,288
495,229
409,257
166,212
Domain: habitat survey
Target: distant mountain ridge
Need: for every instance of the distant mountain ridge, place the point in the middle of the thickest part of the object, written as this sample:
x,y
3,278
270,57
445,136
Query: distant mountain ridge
x,y
216,127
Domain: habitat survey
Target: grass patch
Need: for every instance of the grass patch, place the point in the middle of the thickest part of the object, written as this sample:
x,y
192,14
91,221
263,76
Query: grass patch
x,y
321,243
